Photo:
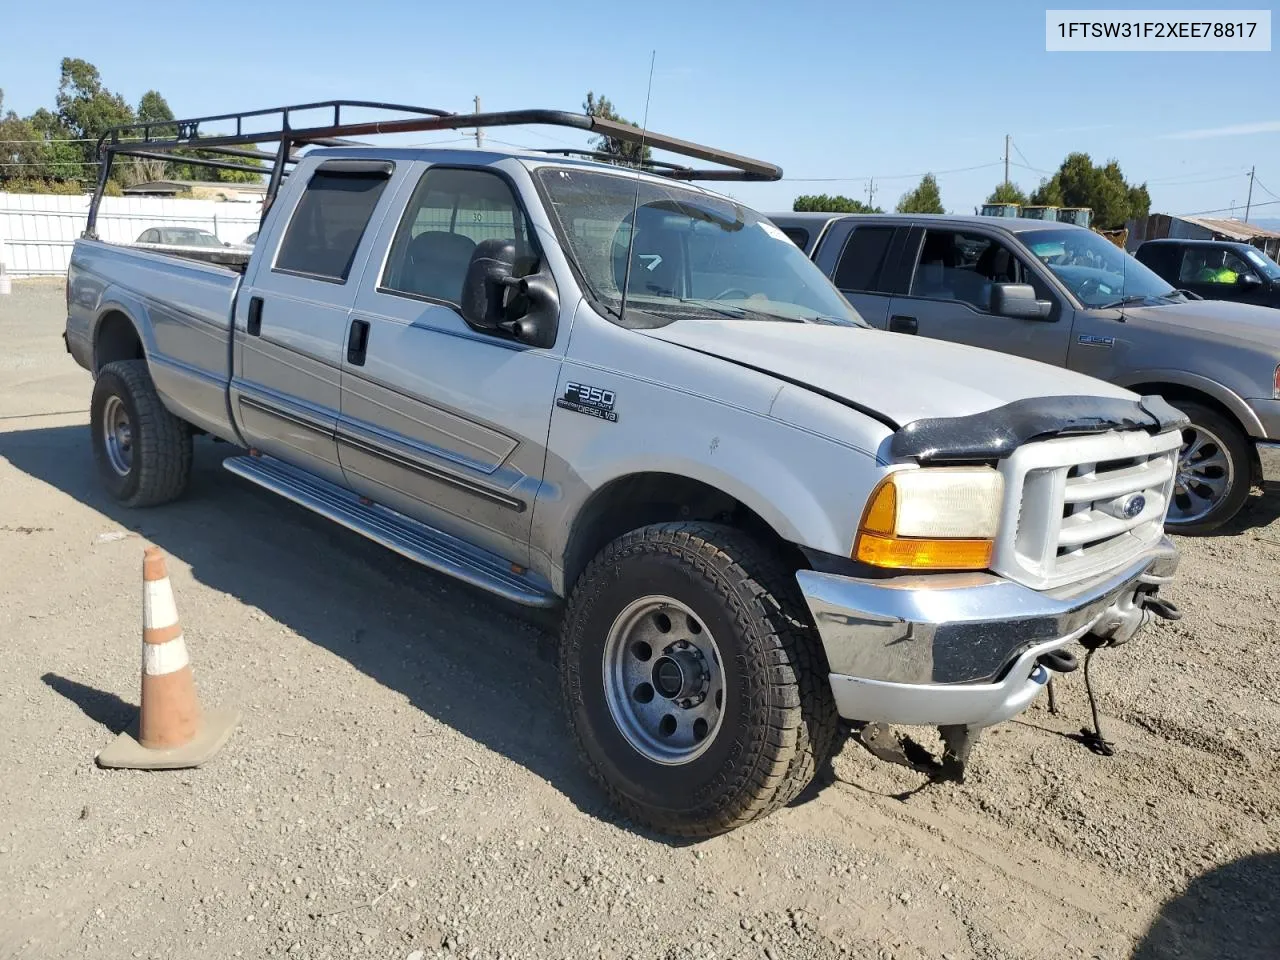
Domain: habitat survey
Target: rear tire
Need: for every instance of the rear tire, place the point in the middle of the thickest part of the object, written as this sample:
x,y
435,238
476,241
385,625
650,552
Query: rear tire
x,y
142,450
1215,473
754,718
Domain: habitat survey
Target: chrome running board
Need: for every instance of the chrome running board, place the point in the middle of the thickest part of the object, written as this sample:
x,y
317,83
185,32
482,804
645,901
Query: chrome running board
x,y
410,538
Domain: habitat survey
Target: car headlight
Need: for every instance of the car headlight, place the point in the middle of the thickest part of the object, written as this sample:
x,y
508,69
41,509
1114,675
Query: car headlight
x,y
934,518
1275,384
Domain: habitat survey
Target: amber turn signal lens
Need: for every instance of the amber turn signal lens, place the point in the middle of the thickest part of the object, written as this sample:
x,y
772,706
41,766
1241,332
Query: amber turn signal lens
x,y
881,551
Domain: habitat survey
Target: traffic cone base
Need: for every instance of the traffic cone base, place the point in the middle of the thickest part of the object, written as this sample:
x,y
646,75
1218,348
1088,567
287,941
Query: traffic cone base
x,y
125,752
171,731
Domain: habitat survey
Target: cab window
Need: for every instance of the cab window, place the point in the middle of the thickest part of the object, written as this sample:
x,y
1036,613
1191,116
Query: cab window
x,y
1215,265
964,266
452,210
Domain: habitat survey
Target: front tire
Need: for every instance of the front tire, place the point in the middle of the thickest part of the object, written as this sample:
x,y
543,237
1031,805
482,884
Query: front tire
x,y
1214,473
694,680
142,450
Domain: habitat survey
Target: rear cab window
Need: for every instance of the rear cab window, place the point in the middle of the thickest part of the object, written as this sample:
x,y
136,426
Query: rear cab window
x,y
330,219
862,262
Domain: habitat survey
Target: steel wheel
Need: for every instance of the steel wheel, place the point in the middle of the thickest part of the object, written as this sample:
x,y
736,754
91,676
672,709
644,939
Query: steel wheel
x,y
663,680
1205,475
117,436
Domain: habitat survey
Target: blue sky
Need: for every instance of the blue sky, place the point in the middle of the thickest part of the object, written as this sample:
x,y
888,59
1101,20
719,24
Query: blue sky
x,y
827,89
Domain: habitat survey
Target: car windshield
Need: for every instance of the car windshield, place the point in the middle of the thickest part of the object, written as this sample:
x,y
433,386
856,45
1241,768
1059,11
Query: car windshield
x,y
693,254
1262,263
1094,269
191,238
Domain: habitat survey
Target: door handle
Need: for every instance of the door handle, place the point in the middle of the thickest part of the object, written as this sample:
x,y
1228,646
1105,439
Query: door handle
x,y
901,324
254,324
358,342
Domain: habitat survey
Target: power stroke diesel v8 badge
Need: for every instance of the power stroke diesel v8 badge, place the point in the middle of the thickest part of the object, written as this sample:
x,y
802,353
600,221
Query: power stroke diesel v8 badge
x,y
593,401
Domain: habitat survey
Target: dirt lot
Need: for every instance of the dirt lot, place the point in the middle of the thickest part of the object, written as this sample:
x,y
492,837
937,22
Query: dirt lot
x,y
402,785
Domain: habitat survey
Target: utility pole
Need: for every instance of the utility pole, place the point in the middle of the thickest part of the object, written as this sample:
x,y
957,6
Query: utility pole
x,y
1006,158
479,132
871,192
1249,202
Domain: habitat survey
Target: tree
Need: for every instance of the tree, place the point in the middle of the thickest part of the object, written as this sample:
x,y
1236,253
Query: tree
x,y
621,152
87,110
923,199
1081,183
822,203
153,108
1007,193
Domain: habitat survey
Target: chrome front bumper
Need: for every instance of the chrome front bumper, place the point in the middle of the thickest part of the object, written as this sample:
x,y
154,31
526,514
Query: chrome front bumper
x,y
963,648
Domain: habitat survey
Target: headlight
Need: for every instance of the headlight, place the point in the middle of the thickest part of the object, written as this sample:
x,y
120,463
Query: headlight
x,y
935,518
1275,384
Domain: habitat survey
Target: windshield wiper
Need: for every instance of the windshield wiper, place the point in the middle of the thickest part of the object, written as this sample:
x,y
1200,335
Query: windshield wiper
x,y
739,313
1127,301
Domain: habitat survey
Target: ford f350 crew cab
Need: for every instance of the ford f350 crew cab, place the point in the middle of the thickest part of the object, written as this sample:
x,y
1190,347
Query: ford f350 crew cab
x,y
1064,295
562,380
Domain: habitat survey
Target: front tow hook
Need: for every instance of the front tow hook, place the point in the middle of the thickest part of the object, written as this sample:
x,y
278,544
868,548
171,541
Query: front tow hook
x,y
1162,608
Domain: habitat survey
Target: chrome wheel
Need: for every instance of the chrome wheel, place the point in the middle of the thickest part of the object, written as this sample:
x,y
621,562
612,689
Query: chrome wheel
x,y
117,436
1204,477
663,680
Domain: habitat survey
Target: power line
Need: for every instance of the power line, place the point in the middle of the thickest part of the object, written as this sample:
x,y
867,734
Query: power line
x,y
1025,162
896,176
1265,190
1197,213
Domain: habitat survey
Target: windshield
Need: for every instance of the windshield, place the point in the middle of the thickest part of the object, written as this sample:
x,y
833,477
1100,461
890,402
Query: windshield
x,y
191,238
1094,269
1264,264
694,254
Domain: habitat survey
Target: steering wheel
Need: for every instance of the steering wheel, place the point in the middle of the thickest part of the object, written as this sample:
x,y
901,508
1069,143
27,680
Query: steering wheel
x,y
1088,287
723,294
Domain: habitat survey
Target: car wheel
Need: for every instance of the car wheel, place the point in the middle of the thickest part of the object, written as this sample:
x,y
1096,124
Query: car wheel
x,y
1214,472
143,451
694,680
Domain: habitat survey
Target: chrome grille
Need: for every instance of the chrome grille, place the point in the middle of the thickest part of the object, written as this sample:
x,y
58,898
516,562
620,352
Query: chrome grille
x,y
1080,506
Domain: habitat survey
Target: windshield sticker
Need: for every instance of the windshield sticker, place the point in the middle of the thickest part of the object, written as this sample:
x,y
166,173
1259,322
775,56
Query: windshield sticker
x,y
773,231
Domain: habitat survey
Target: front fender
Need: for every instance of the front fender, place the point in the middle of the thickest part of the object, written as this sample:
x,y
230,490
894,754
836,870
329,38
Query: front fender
x,y
809,487
1225,395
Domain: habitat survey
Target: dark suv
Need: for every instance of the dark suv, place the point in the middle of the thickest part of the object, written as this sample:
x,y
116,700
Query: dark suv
x,y
1215,269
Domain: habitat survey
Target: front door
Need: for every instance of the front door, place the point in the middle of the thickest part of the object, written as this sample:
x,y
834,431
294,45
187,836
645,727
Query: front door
x,y
440,421
291,316
949,297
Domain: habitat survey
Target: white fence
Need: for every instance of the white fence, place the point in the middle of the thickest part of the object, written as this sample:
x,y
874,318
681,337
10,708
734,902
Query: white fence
x,y
38,230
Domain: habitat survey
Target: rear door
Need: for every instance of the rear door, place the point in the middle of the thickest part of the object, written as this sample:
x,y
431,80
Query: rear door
x,y
291,314
859,257
948,295
441,421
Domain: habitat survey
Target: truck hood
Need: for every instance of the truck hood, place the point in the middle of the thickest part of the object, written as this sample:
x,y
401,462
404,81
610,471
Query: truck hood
x,y
1241,321
901,377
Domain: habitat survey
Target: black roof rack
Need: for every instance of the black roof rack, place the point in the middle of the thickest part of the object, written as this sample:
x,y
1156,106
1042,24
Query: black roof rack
x,y
160,140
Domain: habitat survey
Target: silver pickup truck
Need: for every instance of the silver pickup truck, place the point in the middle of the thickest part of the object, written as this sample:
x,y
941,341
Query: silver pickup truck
x,y
1064,295
561,380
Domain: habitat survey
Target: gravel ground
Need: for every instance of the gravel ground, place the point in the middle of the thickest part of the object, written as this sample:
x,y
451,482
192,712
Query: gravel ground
x,y
402,784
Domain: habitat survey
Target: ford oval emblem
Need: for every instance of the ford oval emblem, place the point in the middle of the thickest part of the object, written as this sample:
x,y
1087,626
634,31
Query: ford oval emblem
x,y
1133,506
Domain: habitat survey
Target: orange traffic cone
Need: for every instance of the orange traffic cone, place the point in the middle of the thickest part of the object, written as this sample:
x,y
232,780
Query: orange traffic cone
x,y
171,733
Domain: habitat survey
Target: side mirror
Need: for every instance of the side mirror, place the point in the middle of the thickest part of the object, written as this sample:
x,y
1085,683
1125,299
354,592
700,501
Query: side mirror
x,y
525,308
1018,300
1249,280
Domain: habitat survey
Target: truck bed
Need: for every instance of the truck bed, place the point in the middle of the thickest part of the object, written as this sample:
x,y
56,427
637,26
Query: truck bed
x,y
182,310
